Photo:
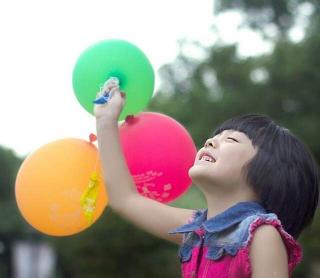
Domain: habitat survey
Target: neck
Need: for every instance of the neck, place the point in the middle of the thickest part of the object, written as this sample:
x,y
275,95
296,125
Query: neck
x,y
220,200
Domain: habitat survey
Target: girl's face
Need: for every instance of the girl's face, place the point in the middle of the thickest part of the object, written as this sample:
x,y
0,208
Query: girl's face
x,y
221,160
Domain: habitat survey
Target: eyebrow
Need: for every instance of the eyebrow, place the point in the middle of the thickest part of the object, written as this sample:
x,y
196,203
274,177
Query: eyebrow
x,y
242,136
229,132
225,132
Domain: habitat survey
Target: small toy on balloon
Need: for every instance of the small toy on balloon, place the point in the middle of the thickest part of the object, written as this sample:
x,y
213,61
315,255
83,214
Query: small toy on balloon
x,y
105,97
88,199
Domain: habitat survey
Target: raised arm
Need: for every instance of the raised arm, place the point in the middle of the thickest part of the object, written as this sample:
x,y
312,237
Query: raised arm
x,y
147,214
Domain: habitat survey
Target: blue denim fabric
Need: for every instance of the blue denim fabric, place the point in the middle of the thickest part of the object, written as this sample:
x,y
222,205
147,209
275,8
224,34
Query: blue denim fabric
x,y
225,233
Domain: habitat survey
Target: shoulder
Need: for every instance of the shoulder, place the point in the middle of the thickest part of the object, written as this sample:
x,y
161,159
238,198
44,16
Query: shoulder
x,y
268,252
270,246
266,235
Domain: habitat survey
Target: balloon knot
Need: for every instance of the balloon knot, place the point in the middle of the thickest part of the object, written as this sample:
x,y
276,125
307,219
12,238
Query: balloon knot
x,y
130,119
92,138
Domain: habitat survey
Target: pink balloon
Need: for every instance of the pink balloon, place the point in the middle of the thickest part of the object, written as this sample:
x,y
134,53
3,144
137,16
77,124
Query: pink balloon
x,y
159,152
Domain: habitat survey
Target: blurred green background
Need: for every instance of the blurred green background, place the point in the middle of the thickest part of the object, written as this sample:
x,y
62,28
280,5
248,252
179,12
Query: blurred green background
x,y
199,93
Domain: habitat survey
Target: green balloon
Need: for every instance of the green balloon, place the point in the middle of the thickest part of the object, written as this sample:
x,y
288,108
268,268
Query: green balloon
x,y
114,58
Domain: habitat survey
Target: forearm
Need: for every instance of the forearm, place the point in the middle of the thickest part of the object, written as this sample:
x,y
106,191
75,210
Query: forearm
x,y
123,196
115,171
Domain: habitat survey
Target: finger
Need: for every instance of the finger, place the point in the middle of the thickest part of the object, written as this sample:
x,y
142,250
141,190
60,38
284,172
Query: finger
x,y
114,91
99,94
108,89
110,83
102,92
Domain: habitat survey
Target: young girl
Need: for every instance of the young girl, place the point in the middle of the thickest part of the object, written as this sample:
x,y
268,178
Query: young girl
x,y
261,187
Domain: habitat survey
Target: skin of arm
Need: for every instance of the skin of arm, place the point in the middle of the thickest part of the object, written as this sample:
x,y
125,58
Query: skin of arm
x,y
150,215
268,254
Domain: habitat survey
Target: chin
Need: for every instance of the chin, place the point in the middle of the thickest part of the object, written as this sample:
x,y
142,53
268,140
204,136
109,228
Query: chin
x,y
200,178
206,177
193,170
198,172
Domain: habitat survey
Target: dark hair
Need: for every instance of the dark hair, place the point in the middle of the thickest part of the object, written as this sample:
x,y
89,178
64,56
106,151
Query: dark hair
x,y
283,172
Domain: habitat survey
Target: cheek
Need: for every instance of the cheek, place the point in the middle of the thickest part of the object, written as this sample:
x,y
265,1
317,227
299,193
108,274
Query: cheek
x,y
233,165
229,169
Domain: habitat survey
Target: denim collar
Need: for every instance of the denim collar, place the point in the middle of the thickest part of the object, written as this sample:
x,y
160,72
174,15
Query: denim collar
x,y
222,221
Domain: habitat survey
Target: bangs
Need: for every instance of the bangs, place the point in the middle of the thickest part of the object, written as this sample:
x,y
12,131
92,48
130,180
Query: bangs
x,y
259,128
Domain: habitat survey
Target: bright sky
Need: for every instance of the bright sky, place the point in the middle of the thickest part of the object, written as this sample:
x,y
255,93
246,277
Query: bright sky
x,y
41,41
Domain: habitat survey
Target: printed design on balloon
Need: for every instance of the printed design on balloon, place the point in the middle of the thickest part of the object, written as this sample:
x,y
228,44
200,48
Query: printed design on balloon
x,y
145,183
62,219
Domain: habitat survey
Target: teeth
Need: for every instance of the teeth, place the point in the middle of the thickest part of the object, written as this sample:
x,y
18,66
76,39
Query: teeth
x,y
207,158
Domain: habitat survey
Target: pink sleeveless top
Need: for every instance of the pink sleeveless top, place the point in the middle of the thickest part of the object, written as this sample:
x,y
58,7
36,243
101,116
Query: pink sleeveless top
x,y
219,247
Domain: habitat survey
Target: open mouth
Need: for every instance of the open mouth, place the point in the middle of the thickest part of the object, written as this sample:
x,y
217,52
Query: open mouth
x,y
207,157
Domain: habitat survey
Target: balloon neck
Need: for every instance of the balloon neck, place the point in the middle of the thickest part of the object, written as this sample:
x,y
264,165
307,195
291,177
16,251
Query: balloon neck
x,y
131,119
92,138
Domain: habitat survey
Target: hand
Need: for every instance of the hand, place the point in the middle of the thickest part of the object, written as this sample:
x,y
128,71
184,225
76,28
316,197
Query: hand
x,y
111,110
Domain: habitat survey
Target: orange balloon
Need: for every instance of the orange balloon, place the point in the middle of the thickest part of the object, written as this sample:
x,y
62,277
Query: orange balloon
x,y
59,187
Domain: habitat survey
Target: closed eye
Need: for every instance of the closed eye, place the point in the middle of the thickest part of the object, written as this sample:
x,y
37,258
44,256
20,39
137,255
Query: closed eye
x,y
233,139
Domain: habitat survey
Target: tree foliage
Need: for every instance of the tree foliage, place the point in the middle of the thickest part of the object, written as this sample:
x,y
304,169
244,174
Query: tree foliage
x,y
267,13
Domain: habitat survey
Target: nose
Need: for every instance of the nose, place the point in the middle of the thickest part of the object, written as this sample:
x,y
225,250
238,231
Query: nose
x,y
211,143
